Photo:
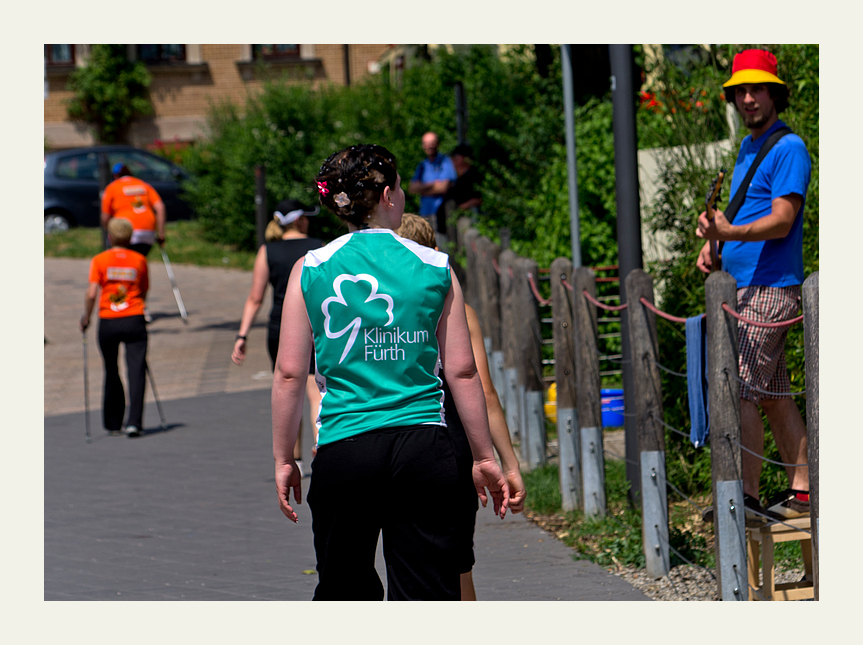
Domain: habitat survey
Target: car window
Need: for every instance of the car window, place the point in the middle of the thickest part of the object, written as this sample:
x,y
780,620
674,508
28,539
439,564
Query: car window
x,y
143,166
80,166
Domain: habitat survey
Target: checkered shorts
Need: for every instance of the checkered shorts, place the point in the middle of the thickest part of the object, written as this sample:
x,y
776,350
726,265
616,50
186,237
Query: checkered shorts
x,y
762,349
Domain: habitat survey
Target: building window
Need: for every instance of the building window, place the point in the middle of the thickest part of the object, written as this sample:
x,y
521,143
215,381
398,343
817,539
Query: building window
x,y
60,54
161,53
276,51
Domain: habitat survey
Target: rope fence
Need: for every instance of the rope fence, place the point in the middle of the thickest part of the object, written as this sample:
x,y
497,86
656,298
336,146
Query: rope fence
x,y
597,303
646,400
758,323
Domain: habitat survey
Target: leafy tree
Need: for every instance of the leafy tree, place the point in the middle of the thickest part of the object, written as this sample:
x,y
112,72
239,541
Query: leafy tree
x,y
109,92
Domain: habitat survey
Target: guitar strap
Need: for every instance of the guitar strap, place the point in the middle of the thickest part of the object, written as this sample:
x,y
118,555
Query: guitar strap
x,y
739,197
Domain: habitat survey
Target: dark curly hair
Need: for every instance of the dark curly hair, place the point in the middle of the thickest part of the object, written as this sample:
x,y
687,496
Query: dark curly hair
x,y
779,94
351,181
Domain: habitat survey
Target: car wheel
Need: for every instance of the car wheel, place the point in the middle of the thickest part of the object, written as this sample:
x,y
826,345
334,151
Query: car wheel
x,y
55,223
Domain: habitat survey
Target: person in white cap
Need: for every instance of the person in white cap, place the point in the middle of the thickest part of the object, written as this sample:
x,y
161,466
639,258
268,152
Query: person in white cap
x,y
287,241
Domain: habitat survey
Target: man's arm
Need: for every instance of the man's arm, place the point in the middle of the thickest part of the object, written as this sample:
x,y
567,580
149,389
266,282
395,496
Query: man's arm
x,y
105,213
774,226
427,188
438,187
416,183
161,218
473,201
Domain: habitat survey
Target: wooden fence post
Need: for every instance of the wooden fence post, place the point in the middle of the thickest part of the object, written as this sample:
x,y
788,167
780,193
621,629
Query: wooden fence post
x,y
450,227
726,463
471,268
490,301
810,343
648,411
462,225
508,338
533,437
588,396
568,435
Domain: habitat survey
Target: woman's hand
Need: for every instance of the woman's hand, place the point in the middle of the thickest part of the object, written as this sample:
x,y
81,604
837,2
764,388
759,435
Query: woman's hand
x,y
239,353
487,474
288,477
517,492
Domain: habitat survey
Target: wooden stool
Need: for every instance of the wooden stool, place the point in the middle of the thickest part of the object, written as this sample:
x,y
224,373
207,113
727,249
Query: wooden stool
x,y
765,537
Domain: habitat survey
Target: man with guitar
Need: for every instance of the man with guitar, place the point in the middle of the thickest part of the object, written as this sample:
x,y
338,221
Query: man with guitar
x,y
763,250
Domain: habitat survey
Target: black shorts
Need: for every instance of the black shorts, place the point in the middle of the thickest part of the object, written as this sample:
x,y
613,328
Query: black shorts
x,y
400,482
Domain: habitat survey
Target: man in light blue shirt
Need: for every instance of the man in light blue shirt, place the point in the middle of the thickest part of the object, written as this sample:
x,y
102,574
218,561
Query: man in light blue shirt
x,y
433,177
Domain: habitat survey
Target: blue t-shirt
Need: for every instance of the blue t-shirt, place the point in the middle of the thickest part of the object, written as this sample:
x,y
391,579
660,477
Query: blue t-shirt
x,y
784,171
427,171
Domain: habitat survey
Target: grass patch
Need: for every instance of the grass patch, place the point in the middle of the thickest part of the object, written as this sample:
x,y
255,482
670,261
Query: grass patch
x,y
616,538
74,243
185,245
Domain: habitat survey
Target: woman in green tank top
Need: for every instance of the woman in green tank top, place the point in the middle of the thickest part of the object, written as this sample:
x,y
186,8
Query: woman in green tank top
x,y
382,315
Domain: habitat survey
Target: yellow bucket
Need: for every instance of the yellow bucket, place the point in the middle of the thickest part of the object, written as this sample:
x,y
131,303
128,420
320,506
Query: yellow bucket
x,y
551,403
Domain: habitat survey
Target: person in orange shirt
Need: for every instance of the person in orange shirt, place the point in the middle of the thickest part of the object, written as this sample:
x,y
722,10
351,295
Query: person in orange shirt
x,y
137,201
121,273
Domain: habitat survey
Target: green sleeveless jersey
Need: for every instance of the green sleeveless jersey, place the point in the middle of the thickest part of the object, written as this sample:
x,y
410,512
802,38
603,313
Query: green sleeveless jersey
x,y
374,301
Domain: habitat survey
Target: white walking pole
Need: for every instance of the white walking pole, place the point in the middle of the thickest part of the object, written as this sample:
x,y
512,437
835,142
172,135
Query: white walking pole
x,y
174,286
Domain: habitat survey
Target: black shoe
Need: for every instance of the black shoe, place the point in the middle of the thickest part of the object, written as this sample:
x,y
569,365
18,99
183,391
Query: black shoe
x,y
755,513
789,504
132,431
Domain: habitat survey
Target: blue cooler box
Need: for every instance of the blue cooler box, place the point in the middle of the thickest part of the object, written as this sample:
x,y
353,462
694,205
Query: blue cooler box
x,y
612,408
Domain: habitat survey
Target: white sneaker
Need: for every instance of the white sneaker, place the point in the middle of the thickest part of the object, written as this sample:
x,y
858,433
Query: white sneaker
x,y
132,431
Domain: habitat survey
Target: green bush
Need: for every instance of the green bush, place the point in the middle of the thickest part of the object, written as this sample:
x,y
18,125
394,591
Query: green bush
x,y
515,127
109,91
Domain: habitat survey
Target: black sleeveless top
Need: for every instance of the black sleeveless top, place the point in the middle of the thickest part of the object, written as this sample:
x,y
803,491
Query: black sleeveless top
x,y
281,256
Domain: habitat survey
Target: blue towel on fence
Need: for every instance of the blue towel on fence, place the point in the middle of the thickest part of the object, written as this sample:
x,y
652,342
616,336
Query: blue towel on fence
x,y
696,369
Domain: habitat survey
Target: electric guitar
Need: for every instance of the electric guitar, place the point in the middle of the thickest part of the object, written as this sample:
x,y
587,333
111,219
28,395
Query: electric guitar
x,y
710,202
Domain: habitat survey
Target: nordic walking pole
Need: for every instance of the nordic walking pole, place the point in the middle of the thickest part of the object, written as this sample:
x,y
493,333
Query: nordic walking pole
x,y
174,286
86,392
156,396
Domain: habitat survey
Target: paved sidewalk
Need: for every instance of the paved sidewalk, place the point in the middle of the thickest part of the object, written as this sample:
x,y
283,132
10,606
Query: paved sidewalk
x,y
189,512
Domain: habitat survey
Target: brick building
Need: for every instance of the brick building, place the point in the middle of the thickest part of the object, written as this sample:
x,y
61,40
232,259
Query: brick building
x,y
188,78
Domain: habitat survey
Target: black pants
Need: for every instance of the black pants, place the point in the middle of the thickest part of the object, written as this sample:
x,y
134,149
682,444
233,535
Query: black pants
x,y
142,248
132,331
397,481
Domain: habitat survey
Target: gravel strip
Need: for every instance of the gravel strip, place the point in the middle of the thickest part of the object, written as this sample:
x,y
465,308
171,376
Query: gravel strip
x,y
685,582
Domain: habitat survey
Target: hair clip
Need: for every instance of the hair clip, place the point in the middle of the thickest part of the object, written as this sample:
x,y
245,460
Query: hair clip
x,y
342,200
322,187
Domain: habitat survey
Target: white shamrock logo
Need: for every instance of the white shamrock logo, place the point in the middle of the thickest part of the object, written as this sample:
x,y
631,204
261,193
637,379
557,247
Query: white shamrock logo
x,y
355,324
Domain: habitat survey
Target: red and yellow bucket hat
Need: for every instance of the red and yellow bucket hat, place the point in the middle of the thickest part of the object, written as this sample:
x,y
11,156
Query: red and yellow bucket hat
x,y
753,66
